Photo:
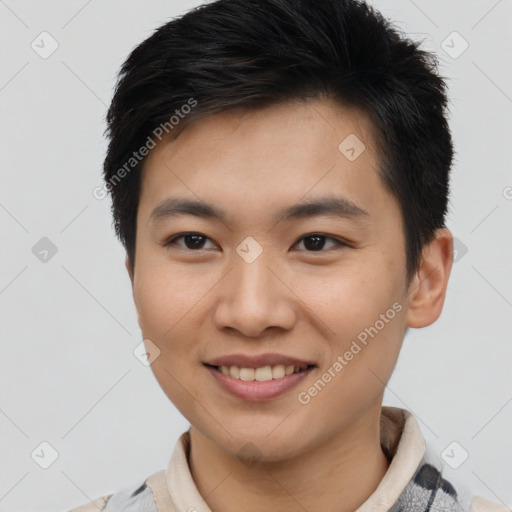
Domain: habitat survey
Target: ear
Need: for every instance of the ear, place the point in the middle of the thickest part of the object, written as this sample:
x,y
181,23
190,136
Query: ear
x,y
131,272
428,290
129,268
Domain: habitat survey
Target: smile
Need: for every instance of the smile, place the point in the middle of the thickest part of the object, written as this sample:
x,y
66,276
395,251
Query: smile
x,y
258,384
261,374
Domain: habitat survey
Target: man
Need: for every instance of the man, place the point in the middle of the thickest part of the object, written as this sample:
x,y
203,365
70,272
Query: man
x,y
279,171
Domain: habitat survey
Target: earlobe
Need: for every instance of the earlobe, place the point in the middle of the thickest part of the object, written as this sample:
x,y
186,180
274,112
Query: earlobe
x,y
430,283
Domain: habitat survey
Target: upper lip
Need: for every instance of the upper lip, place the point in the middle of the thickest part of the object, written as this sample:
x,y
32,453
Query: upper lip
x,y
258,361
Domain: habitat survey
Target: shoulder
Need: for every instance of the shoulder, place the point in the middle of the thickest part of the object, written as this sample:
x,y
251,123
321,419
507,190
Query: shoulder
x,y
479,504
430,491
135,497
93,506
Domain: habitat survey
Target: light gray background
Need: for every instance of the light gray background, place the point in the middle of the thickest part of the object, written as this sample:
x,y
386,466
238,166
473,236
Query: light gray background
x,y
68,326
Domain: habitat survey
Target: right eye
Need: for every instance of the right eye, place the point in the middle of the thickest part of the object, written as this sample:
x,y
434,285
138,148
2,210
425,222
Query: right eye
x,y
192,241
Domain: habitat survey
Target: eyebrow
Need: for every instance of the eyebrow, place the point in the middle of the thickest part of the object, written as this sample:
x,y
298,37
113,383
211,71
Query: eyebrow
x,y
337,207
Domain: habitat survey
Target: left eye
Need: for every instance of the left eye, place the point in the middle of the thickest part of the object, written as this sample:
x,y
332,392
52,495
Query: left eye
x,y
314,242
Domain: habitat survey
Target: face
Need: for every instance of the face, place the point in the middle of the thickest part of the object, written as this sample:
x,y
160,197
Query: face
x,y
253,277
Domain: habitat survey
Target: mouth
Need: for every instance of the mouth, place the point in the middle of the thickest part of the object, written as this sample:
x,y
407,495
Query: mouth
x,y
260,378
262,373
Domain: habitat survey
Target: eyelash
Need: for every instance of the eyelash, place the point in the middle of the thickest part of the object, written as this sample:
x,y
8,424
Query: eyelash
x,y
339,243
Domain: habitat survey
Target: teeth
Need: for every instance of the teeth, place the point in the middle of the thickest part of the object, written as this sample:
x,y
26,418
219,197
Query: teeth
x,y
246,373
260,374
278,371
264,373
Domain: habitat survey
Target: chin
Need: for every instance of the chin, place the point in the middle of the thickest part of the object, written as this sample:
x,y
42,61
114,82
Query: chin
x,y
259,446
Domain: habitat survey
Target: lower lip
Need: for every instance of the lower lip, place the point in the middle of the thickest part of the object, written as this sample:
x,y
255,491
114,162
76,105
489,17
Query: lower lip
x,y
258,391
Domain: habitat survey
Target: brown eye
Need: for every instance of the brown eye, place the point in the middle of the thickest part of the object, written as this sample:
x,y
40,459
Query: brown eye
x,y
191,241
315,242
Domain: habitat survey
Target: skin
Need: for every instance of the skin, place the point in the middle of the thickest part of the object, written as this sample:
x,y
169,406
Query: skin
x,y
195,304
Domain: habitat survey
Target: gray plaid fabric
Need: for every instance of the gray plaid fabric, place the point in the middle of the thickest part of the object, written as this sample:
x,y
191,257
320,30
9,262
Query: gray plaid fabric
x,y
131,500
428,491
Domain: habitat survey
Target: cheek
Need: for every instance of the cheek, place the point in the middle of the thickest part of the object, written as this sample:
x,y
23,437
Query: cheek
x,y
359,304
347,296
161,299
171,304
164,305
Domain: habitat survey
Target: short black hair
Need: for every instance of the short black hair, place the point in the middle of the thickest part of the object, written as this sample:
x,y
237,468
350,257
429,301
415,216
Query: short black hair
x,y
250,54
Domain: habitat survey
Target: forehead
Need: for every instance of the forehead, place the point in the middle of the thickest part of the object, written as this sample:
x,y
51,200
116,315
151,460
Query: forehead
x,y
304,124
261,160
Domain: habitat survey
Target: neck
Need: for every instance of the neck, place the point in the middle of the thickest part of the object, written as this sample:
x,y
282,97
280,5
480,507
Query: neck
x,y
339,474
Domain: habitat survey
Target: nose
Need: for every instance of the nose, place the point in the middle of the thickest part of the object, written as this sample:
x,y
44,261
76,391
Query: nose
x,y
254,297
